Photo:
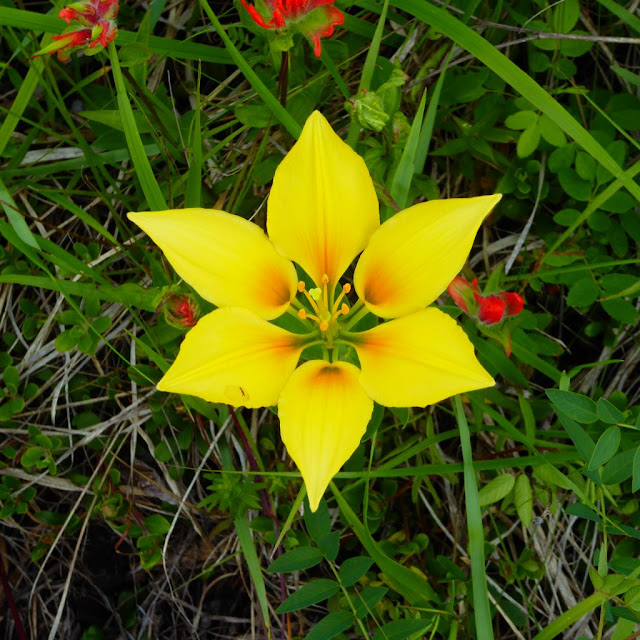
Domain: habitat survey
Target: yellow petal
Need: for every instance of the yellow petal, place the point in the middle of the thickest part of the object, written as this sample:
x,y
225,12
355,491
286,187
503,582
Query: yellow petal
x,y
323,413
234,357
225,258
418,360
322,208
412,258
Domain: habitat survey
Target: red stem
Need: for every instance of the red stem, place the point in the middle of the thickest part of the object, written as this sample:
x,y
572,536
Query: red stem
x,y
6,587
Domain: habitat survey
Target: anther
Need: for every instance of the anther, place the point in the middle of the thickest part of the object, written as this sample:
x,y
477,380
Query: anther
x,y
346,288
302,314
325,279
324,326
345,309
301,286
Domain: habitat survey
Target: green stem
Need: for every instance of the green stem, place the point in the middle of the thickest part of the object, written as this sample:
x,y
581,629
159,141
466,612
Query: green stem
x,y
481,612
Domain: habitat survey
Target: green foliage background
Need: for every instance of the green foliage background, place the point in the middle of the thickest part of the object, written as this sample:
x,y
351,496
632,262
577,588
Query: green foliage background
x,y
511,512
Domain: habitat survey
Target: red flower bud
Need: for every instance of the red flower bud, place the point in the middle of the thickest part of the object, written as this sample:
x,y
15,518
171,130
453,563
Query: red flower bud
x,y
181,310
490,308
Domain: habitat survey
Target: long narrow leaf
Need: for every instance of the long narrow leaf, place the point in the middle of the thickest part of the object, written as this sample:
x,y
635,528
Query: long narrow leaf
x,y
481,612
401,181
147,178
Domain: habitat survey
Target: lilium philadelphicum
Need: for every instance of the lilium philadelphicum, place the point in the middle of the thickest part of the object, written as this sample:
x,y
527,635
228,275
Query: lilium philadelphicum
x,y
322,212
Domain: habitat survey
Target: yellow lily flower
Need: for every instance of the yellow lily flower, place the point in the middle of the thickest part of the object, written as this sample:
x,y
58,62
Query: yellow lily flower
x,y
322,212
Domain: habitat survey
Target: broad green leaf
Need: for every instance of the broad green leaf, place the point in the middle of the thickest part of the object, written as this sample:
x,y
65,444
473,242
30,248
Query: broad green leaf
x,y
311,593
551,132
157,524
584,444
368,599
621,310
608,412
353,569
523,500
521,120
296,560
583,293
606,447
496,490
330,626
635,483
528,141
619,468
318,522
579,407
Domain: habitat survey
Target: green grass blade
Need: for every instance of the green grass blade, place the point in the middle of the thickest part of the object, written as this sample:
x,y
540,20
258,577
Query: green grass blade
x,y
481,612
253,564
20,103
280,113
16,220
565,620
193,193
148,181
401,181
485,52
619,10
367,71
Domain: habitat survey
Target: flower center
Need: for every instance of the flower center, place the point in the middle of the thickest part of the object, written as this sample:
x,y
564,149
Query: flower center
x,y
326,311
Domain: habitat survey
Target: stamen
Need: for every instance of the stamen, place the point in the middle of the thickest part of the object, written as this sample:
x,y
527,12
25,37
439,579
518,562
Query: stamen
x,y
345,309
346,288
324,326
302,289
325,282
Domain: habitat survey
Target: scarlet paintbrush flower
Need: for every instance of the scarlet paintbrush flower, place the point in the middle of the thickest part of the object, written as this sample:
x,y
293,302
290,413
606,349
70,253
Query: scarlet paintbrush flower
x,y
321,213
489,309
97,19
314,18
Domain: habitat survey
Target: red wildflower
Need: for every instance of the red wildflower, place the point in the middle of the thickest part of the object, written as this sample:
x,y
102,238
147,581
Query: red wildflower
x,y
97,19
314,18
489,309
